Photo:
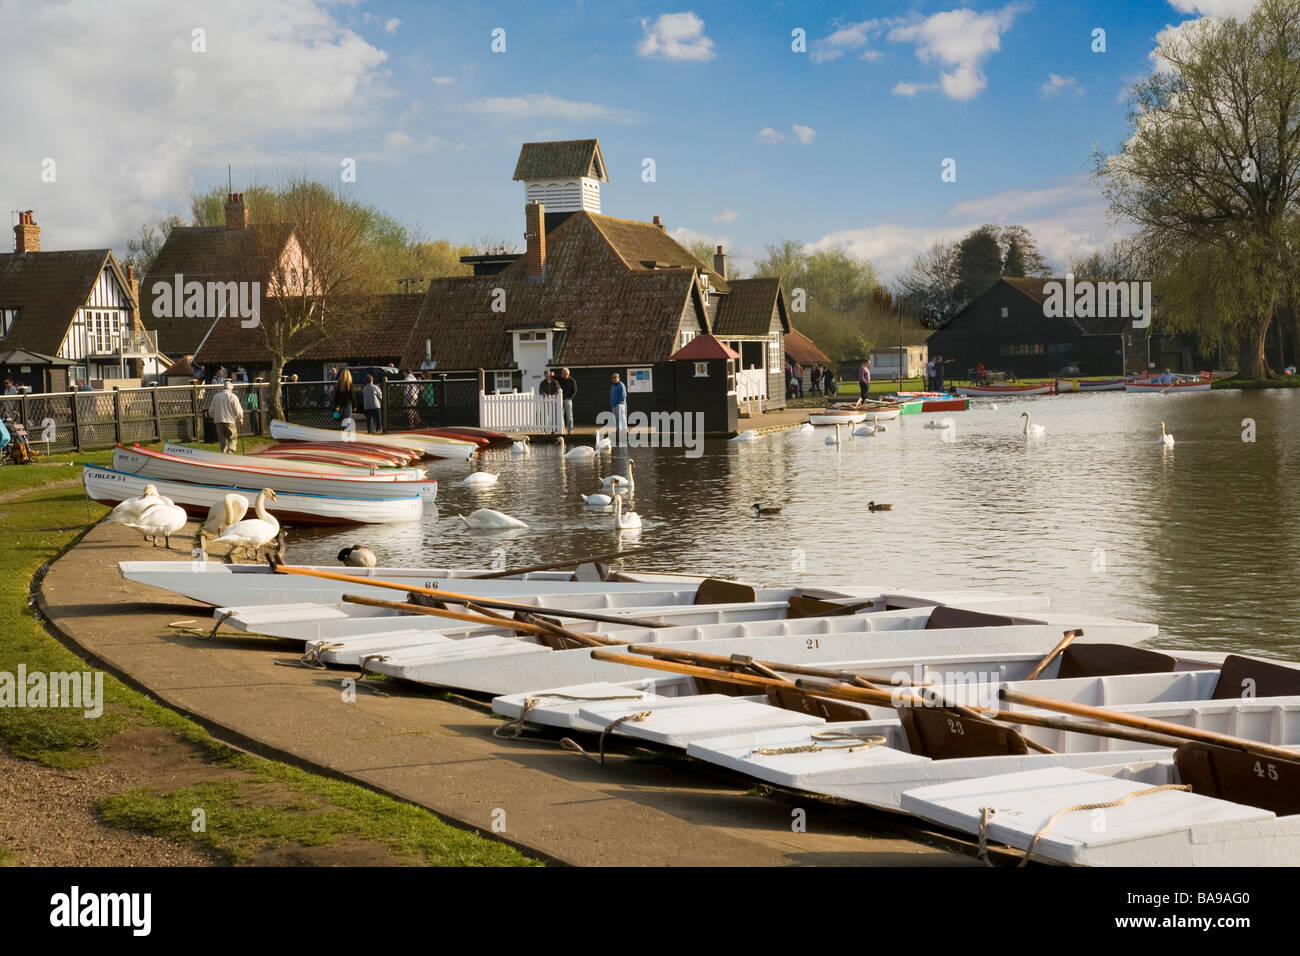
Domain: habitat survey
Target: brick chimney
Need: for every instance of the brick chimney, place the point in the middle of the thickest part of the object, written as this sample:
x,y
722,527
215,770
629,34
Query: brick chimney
x,y
535,237
236,212
27,235
720,262
131,282
660,223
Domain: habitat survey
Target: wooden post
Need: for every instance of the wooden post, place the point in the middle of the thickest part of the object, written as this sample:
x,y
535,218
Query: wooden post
x,y
76,422
196,403
117,416
157,417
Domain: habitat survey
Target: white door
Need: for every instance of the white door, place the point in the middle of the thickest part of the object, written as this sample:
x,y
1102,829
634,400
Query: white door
x,y
532,358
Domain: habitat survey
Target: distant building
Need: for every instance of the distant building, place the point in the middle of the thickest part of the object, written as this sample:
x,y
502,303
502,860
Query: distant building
x,y
802,352
884,361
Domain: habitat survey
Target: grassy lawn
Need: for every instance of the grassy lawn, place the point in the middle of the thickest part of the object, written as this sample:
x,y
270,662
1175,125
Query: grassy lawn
x,y
255,804
1290,381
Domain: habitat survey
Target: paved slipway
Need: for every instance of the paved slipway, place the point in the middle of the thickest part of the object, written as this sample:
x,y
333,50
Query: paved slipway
x,y
436,753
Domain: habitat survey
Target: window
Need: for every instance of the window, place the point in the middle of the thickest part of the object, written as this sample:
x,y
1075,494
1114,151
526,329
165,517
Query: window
x,y
701,369
503,382
1005,311
773,353
686,337
7,319
102,332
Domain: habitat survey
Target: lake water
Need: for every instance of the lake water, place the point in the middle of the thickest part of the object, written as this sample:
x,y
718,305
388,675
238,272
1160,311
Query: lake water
x,y
1097,515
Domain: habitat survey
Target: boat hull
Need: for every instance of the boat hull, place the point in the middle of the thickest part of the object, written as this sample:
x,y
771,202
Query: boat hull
x,y
854,418
1003,391
290,464
430,445
1145,388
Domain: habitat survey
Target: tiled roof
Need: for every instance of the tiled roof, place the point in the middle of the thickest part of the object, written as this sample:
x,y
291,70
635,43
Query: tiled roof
x,y
704,347
206,254
47,288
376,328
801,348
748,308
1106,325
615,311
639,243
14,357
562,160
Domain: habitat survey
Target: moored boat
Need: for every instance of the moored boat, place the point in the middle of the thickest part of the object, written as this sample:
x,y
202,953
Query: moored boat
x,y
938,401
431,445
291,464
300,510
1181,386
838,417
1005,391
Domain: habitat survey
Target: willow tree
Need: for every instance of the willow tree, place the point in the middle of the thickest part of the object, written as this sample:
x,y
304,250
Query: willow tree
x,y
1210,174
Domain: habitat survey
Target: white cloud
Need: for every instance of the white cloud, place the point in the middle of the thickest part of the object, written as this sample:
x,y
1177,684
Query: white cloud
x,y
805,134
1059,84
769,135
1214,8
400,142
133,145
961,40
676,36
849,38
392,24
442,81
727,215
911,89
543,105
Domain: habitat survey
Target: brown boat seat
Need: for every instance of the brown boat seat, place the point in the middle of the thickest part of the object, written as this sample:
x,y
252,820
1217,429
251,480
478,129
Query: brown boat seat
x,y
824,707
718,591
423,600
1244,677
942,734
801,606
554,641
1104,660
944,616
1255,781
710,685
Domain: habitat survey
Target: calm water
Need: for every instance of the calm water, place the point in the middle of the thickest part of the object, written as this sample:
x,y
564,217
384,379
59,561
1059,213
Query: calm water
x,y
1097,515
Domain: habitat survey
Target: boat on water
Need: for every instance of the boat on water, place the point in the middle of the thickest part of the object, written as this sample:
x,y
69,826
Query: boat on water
x,y
938,401
481,436
148,463
435,446
1006,391
341,454
299,510
1181,386
838,417
291,464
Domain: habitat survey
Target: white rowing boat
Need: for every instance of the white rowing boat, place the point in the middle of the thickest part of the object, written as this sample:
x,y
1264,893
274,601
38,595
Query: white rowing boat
x,y
434,445
1004,391
291,464
844,417
154,464
112,487
1181,387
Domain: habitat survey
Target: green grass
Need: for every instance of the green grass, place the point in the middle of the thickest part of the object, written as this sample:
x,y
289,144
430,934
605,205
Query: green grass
x,y
269,805
1290,381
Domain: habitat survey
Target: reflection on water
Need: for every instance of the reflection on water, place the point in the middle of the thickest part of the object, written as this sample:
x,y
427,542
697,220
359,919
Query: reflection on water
x,y
1098,515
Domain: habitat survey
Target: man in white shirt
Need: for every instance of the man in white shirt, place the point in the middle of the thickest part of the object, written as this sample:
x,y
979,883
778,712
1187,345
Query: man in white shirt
x,y
228,414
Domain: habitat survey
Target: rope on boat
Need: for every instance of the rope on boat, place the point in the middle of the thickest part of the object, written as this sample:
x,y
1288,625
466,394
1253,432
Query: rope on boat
x,y
568,743
531,701
221,619
986,817
367,659
311,657
852,742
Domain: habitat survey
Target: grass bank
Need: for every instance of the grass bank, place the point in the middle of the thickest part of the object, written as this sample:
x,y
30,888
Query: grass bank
x,y
251,805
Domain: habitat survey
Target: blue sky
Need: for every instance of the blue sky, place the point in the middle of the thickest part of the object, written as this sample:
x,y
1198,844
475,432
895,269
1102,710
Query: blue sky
x,y
752,142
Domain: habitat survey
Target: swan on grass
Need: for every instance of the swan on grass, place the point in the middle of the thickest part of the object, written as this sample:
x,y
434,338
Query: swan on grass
x,y
480,479
1166,439
160,520
128,510
624,521
485,519
253,533
1032,431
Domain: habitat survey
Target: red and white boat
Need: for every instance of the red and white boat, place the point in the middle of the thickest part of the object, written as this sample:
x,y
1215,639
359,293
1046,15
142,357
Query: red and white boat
x,y
938,401
291,464
436,446
147,463
1006,391
360,456
112,487
1153,386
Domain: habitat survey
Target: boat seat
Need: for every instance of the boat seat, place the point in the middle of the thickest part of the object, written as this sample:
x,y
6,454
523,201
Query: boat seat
x,y
1243,677
554,641
710,685
1104,660
824,707
1228,774
423,600
718,591
591,571
944,616
801,606
942,734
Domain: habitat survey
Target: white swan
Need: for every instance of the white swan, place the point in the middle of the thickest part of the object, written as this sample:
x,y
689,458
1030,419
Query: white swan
x,y
160,519
624,521
223,514
834,439
520,448
596,501
1166,439
807,428
604,444
865,430
480,479
253,533
747,435
485,519
619,481
1032,431
131,508
578,451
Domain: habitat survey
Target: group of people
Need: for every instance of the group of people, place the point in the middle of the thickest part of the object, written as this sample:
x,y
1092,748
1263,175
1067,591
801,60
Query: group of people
x,y
934,372
821,380
566,386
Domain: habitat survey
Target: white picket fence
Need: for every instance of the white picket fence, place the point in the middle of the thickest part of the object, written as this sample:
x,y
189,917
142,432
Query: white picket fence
x,y
751,384
521,412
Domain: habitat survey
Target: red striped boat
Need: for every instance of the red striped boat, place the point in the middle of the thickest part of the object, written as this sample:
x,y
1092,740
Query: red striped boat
x,y
1006,391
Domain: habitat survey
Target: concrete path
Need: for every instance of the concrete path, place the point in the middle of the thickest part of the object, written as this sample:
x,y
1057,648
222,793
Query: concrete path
x,y
438,753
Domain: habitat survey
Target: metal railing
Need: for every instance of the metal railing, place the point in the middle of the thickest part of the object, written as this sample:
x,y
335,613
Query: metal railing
x,y
424,403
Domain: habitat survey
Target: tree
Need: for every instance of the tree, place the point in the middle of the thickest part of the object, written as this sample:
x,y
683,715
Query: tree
x,y
1031,262
929,287
840,282
854,348
143,249
1117,262
1210,175
785,259
979,263
704,249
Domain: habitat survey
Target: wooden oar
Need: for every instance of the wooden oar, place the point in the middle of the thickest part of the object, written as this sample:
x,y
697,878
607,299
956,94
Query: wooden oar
x,y
1052,655
457,598
572,562
527,627
744,660
1151,724
585,640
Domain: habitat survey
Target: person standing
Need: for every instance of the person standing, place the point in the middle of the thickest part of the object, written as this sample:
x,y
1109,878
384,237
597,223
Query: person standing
x,y
343,398
227,414
798,378
929,375
568,389
937,381
618,404
828,382
372,402
864,379
548,385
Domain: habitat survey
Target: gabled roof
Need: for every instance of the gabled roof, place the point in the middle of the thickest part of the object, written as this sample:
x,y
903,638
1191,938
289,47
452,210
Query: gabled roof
x,y
47,289
563,159
702,348
1034,288
206,254
802,349
615,310
747,310
373,328
644,247
15,357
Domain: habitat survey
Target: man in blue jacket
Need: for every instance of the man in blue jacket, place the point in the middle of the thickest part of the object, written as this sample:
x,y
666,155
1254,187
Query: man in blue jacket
x,y
618,403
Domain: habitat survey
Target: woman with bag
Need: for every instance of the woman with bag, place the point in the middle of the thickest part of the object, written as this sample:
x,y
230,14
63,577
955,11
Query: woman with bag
x,y
343,398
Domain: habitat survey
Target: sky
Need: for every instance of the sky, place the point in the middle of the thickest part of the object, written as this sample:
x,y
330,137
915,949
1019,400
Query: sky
x,y
125,110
